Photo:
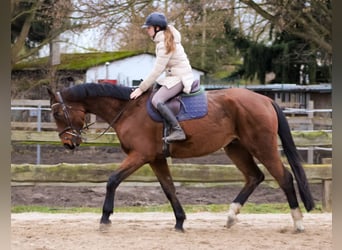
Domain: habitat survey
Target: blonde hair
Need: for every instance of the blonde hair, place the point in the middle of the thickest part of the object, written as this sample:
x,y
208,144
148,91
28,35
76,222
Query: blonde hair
x,y
169,40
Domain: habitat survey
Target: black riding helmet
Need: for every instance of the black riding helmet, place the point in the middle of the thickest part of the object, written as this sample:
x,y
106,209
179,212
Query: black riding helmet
x,y
156,19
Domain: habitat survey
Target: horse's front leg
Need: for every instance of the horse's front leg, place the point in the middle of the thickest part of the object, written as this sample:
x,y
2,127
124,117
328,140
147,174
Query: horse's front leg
x,y
162,171
128,166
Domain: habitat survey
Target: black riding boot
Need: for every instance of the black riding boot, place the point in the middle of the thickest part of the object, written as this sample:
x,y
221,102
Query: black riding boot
x,y
177,133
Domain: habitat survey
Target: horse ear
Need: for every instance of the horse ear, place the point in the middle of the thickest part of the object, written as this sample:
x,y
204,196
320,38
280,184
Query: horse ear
x,y
51,94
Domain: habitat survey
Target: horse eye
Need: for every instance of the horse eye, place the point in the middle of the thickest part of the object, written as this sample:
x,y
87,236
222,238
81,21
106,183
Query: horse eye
x,y
57,115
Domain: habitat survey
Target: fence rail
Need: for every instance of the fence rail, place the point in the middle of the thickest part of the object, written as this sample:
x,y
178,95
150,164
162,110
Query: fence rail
x,y
301,138
188,173
305,140
184,172
304,119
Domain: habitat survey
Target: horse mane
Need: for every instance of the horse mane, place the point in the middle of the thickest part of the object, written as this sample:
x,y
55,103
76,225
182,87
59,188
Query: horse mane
x,y
87,90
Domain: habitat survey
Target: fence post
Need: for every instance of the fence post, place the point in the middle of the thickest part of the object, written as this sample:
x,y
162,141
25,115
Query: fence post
x,y
92,119
310,127
39,125
327,195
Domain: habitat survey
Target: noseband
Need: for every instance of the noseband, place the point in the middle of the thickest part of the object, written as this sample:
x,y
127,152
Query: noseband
x,y
69,129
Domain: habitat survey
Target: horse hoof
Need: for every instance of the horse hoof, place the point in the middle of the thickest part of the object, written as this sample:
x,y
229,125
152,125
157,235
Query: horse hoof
x,y
299,230
231,221
104,228
179,230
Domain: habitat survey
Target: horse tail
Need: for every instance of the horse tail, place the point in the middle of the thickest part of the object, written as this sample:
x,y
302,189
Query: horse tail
x,y
293,158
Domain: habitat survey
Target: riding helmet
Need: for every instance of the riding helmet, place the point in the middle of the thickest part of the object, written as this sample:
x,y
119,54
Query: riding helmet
x,y
155,19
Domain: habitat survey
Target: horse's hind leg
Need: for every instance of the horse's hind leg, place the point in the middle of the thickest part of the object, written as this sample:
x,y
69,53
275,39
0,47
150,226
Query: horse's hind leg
x,y
253,177
285,180
162,171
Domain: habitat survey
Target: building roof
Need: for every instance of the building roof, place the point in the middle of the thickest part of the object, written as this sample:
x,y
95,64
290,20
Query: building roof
x,y
77,61
81,61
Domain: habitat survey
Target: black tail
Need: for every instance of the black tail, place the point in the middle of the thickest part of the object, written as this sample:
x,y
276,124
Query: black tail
x,y
294,159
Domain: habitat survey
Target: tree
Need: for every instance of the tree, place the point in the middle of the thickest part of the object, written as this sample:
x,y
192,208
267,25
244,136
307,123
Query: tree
x,y
112,17
310,20
205,37
299,46
201,24
291,59
35,24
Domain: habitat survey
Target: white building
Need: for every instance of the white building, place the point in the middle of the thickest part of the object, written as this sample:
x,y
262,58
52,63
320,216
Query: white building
x,y
128,71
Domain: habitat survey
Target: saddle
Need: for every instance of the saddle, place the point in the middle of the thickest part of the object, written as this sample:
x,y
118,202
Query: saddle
x,y
185,106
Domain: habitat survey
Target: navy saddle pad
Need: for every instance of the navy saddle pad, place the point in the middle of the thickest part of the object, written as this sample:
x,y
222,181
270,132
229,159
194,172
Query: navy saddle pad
x,y
184,106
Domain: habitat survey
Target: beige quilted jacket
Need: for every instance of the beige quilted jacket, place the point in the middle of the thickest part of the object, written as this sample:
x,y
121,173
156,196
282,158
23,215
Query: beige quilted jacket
x,y
176,65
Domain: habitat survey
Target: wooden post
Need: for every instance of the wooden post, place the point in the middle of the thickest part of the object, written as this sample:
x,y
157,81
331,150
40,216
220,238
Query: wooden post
x,y
310,115
92,119
327,195
310,127
54,61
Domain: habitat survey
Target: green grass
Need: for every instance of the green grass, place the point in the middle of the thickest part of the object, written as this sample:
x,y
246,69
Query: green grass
x,y
249,208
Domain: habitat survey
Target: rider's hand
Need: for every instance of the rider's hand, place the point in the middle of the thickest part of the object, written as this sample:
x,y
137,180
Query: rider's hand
x,y
136,93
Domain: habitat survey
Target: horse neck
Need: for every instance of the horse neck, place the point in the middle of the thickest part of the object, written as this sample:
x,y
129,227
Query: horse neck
x,y
105,107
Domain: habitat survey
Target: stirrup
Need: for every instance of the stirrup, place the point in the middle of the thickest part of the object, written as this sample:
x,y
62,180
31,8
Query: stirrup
x,y
167,139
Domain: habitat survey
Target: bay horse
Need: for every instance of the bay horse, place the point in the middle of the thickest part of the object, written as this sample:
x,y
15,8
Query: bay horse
x,y
244,123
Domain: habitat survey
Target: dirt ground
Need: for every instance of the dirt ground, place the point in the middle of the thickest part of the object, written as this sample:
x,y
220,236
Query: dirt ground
x,y
152,230
33,231
136,194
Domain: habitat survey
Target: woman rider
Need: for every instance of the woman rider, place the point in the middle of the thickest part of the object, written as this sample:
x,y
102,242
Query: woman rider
x,y
171,59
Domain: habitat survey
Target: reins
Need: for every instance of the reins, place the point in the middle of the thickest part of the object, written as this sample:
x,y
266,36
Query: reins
x,y
115,119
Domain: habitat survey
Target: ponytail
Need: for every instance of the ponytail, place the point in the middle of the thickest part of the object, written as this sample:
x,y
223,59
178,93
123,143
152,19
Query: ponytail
x,y
169,40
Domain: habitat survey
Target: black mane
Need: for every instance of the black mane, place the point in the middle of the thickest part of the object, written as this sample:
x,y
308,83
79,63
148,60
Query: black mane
x,y
85,90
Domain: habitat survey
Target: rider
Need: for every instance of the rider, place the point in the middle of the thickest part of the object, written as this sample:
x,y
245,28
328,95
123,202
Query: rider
x,y
171,58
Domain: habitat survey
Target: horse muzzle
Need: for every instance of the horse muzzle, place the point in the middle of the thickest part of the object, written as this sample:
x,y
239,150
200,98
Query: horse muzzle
x,y
71,140
71,144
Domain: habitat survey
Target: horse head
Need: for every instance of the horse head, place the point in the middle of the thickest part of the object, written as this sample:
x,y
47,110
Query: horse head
x,y
69,118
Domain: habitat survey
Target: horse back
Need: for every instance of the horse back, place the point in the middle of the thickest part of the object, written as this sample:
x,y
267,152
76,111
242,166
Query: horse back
x,y
245,108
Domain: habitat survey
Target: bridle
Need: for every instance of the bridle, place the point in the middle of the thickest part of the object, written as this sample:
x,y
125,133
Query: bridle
x,y
78,132
70,128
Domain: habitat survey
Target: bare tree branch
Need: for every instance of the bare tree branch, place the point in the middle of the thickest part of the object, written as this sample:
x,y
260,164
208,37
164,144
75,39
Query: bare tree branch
x,y
314,18
20,41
